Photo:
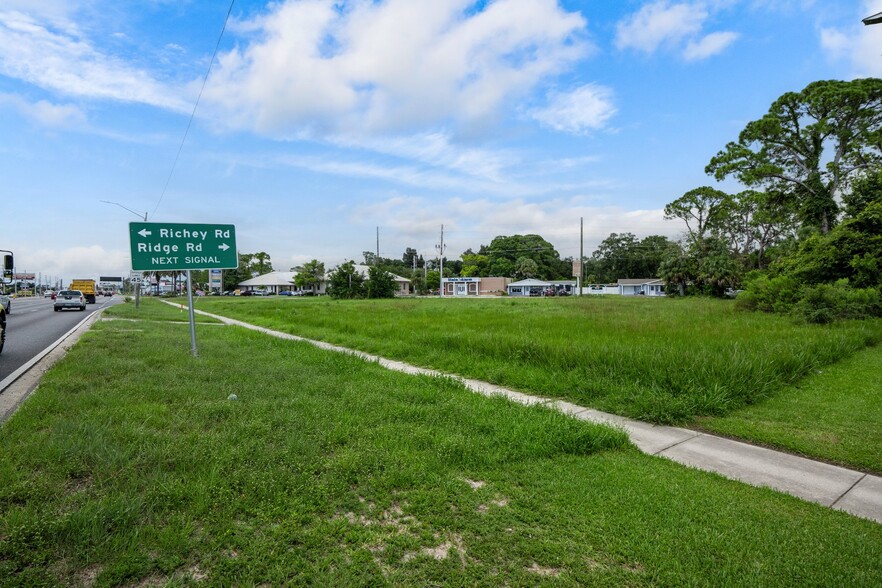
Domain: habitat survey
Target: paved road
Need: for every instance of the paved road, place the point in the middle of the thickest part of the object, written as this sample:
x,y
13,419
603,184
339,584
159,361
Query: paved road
x,y
33,325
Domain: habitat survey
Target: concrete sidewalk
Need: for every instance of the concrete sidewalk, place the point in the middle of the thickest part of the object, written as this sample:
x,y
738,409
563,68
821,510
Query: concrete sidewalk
x,y
854,492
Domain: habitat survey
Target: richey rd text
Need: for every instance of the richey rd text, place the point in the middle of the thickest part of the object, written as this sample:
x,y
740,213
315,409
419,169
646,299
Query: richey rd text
x,y
188,234
160,247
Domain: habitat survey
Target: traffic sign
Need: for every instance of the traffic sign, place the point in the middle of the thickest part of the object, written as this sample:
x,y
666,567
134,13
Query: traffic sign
x,y
182,246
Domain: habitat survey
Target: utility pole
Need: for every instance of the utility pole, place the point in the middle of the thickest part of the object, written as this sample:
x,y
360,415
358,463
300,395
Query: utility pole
x,y
377,262
440,249
138,285
581,254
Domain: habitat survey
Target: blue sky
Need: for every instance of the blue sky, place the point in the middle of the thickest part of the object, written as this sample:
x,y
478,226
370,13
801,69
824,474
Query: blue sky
x,y
323,120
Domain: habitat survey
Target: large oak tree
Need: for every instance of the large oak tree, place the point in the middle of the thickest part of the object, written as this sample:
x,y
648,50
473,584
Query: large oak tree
x,y
810,146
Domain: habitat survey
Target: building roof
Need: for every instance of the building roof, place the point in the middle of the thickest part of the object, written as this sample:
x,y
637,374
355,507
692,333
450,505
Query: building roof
x,y
638,281
530,282
363,270
271,279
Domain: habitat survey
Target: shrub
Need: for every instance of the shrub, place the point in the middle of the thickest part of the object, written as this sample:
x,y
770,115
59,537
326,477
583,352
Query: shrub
x,y
825,303
777,294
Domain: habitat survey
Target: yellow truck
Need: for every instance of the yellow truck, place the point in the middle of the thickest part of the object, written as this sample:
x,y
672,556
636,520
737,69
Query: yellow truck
x,y
87,287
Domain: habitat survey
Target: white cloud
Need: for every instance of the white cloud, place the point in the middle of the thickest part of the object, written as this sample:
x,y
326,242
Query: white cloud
x,y
677,27
321,68
55,57
860,46
469,223
659,23
46,113
71,262
586,108
401,174
436,149
709,45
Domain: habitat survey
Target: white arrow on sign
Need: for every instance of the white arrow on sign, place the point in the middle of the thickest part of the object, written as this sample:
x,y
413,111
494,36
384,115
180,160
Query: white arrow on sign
x,y
223,246
144,232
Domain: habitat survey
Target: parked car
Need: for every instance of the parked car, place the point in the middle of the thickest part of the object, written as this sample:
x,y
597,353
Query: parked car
x,y
70,299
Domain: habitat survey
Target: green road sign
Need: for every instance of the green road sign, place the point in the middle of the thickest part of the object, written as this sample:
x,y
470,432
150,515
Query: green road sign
x,y
182,246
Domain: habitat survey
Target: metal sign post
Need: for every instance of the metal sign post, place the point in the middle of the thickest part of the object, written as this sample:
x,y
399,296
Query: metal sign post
x,y
135,280
192,316
182,246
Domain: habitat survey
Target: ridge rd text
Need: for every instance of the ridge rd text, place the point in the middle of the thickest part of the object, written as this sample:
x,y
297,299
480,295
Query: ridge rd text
x,y
179,234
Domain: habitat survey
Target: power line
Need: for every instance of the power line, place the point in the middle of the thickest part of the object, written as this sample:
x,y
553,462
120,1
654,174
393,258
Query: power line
x,y
195,106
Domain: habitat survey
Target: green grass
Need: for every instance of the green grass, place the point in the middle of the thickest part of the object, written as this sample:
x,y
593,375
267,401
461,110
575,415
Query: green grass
x,y
150,309
833,414
129,466
659,360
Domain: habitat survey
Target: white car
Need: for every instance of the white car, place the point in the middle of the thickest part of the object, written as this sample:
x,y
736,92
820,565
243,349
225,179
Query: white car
x,y
70,299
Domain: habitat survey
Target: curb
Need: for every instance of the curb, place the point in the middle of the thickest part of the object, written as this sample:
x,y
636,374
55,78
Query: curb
x,y
17,386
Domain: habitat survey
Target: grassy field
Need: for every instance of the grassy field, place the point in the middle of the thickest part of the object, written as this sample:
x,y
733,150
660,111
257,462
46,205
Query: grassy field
x,y
660,360
130,466
671,361
151,309
833,414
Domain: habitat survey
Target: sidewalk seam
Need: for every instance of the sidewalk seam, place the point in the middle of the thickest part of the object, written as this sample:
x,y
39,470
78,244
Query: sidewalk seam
x,y
850,488
672,445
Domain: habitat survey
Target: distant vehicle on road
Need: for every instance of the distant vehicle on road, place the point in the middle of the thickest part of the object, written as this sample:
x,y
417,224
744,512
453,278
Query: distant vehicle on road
x,y
70,299
49,294
86,288
8,267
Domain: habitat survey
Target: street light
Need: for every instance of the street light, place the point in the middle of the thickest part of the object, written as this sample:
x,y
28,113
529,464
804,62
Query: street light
x,y
875,19
138,214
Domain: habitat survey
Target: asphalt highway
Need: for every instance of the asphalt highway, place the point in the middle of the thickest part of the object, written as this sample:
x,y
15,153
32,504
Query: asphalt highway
x,y
33,325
